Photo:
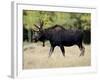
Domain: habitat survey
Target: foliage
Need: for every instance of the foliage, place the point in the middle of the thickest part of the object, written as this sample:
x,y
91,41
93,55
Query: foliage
x,y
50,18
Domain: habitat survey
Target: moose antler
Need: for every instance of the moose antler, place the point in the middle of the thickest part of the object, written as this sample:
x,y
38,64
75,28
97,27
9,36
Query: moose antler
x,y
36,26
34,30
41,24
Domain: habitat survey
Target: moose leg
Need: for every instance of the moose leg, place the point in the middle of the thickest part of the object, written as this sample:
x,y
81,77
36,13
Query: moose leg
x,y
51,50
63,50
43,43
82,49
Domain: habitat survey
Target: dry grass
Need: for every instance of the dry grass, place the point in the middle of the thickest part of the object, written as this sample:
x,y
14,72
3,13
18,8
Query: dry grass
x,y
36,56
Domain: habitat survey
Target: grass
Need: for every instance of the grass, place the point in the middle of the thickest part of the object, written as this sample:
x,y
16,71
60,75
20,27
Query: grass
x,y
36,56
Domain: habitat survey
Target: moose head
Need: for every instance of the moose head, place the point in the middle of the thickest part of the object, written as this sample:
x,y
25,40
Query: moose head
x,y
38,34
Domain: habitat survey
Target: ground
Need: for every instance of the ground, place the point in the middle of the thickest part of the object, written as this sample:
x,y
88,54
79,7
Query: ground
x,y
36,56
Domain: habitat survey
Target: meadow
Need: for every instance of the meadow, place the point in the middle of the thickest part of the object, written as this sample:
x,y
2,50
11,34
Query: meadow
x,y
36,56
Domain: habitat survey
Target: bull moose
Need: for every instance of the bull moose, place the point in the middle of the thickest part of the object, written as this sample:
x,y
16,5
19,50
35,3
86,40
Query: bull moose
x,y
59,36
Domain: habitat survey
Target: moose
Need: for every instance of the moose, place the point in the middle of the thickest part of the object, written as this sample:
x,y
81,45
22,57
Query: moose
x,y
59,36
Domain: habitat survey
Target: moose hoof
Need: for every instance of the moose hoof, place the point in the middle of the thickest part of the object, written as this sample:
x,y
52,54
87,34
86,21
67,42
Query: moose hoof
x,y
64,56
81,54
